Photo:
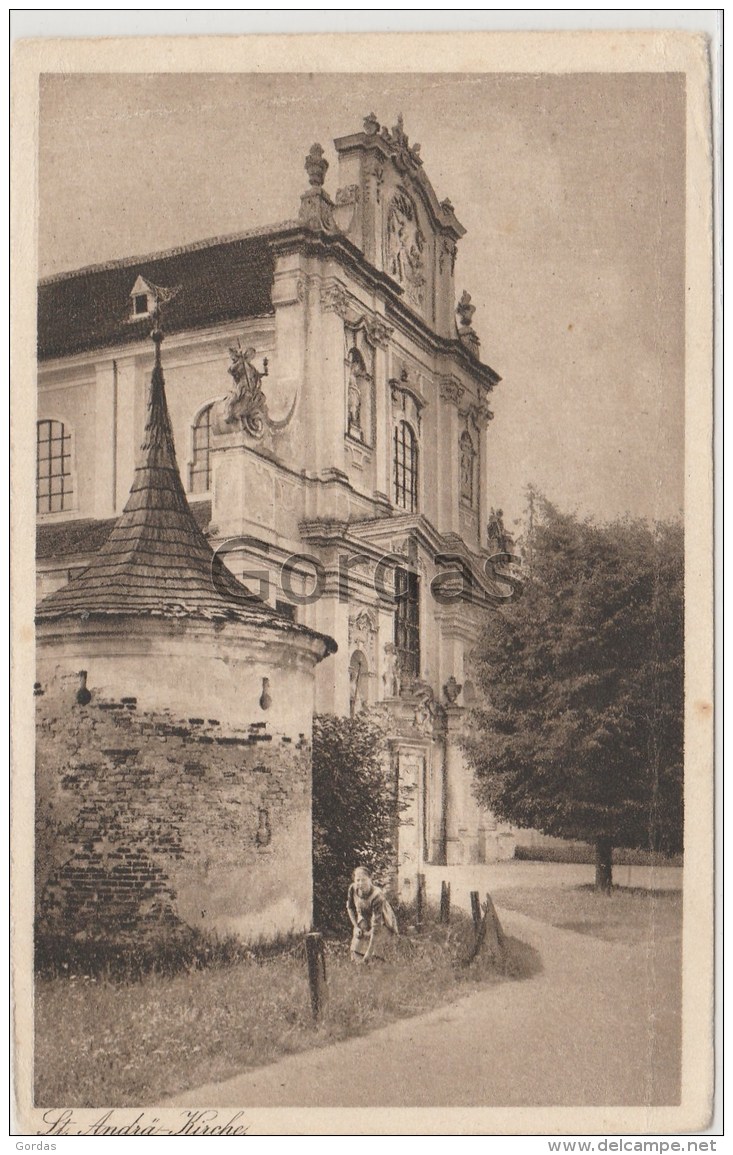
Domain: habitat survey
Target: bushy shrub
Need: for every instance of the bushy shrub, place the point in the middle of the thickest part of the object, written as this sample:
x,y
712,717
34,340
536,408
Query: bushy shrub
x,y
355,811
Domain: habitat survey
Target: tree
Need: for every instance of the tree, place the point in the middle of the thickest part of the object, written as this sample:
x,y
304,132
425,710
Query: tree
x,y
581,734
355,810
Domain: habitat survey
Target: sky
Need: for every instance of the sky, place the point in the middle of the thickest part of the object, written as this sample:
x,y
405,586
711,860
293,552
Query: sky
x,y
571,188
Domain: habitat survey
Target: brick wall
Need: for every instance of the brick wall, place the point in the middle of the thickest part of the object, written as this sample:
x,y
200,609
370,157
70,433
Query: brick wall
x,y
147,824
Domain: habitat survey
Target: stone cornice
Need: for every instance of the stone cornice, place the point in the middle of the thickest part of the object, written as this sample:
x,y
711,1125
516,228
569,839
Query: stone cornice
x,y
336,298
322,245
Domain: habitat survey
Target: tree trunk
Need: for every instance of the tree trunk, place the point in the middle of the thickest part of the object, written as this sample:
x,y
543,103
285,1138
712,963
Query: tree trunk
x,y
604,866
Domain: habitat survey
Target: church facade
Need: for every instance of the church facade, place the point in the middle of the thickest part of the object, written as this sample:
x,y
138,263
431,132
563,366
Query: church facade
x,y
330,407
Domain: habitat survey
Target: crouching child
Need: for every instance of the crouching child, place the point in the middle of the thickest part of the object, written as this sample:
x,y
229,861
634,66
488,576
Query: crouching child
x,y
371,917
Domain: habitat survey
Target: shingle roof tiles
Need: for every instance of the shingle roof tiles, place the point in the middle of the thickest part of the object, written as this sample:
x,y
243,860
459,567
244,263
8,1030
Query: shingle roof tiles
x,y
92,308
156,561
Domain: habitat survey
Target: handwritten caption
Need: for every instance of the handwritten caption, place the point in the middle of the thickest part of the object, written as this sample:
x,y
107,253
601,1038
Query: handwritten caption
x,y
117,1122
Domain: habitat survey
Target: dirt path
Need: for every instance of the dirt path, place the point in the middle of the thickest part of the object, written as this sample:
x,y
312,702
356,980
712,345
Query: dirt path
x,y
599,1026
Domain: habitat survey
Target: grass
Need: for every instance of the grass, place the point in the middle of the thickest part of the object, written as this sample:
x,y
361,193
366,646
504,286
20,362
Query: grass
x,y
102,1041
627,914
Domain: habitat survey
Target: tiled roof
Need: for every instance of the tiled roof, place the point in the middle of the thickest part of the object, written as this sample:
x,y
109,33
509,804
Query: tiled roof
x,y
219,280
87,535
156,562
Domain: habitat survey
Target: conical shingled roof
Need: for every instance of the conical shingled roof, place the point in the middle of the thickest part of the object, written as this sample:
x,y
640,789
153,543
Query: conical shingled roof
x,y
156,561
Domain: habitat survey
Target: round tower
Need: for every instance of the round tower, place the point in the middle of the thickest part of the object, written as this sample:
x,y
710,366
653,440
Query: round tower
x,y
174,713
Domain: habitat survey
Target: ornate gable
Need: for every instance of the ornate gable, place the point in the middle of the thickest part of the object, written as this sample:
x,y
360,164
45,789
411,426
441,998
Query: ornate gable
x,y
397,220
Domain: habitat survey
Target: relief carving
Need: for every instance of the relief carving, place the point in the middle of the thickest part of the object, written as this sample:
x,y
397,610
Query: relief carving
x,y
451,390
335,299
348,195
405,247
377,331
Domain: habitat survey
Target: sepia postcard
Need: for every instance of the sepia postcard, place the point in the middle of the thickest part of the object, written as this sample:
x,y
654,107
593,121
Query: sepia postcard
x,y
362,703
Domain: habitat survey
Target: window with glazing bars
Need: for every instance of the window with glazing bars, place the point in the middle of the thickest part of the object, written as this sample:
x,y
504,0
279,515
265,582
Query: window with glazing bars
x,y
407,622
405,467
54,484
200,470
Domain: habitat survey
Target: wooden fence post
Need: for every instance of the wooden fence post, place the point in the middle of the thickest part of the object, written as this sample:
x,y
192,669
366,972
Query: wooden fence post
x,y
497,938
316,971
420,896
476,909
445,902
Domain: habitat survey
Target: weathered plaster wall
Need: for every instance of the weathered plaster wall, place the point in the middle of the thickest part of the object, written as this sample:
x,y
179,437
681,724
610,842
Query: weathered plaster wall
x,y
180,793
148,822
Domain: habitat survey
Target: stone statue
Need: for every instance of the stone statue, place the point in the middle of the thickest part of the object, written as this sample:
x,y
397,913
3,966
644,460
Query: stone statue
x,y
467,455
357,374
391,676
499,538
354,405
246,403
357,671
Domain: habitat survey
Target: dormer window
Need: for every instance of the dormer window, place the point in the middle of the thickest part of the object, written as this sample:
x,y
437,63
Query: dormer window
x,y
143,299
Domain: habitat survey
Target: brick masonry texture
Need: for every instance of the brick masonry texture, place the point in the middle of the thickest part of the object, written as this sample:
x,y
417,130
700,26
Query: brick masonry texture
x,y
149,824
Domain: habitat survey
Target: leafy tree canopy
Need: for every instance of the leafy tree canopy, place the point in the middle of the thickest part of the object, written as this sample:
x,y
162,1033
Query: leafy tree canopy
x,y
581,734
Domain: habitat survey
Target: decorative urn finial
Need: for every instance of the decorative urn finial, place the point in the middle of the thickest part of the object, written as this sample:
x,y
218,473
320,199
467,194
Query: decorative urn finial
x,y
371,125
452,689
465,310
316,166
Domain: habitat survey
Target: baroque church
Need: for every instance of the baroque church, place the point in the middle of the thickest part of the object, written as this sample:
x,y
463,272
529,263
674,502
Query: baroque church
x,y
330,407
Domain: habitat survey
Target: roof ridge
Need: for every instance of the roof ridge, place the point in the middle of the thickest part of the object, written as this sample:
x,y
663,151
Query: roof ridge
x,y
163,254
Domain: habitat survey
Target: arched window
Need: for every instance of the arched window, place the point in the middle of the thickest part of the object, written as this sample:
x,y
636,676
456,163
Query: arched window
x,y
467,455
54,481
405,467
199,480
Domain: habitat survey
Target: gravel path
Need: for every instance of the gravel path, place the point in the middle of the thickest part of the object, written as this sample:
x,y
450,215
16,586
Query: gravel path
x,y
600,1026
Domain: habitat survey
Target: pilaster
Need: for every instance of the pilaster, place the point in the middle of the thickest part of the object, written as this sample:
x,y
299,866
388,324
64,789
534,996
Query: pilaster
x,y
105,440
128,426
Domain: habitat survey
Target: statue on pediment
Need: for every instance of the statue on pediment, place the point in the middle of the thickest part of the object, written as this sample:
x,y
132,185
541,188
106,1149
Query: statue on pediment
x,y
498,535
